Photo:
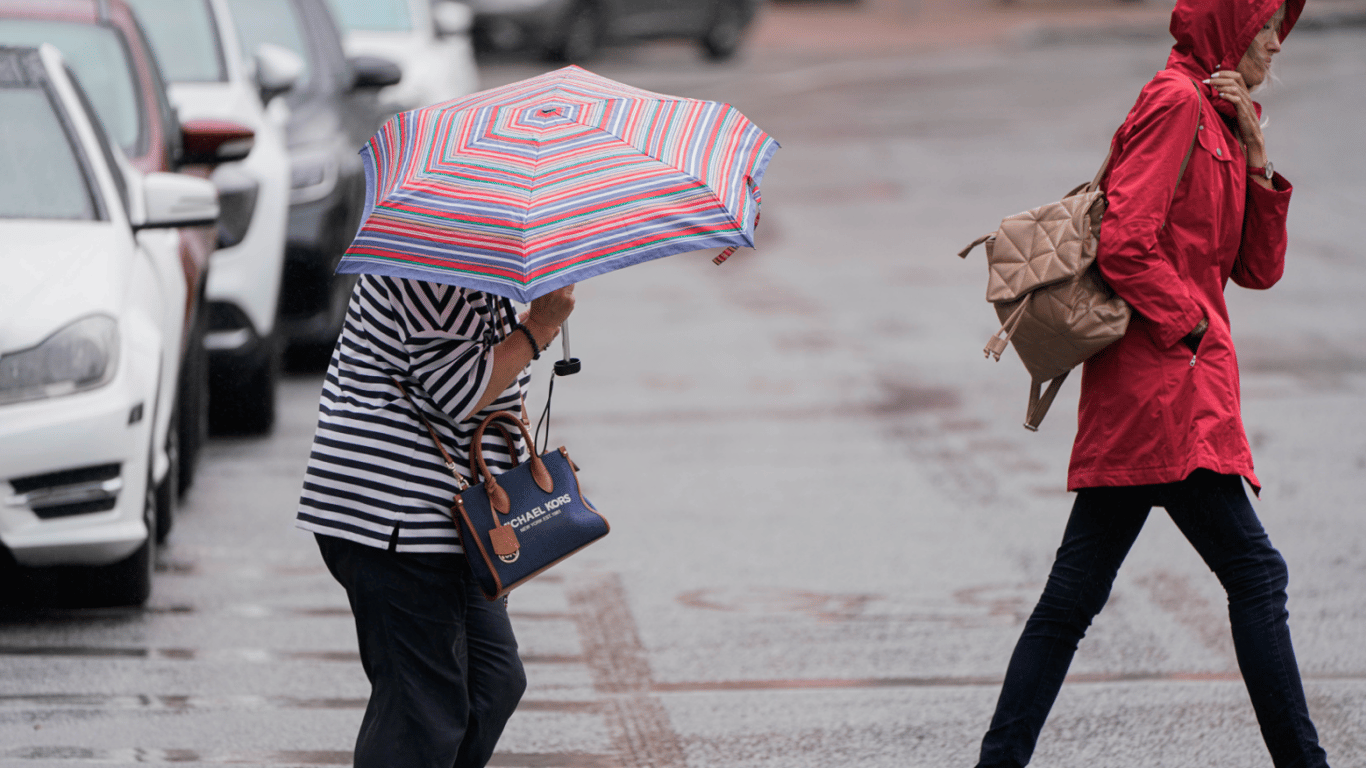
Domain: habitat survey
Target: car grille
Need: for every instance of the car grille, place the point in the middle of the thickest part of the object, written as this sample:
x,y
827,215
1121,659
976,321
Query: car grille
x,y
68,492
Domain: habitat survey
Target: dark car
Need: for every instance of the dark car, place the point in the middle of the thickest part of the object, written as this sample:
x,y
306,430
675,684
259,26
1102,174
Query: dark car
x,y
333,111
105,46
572,30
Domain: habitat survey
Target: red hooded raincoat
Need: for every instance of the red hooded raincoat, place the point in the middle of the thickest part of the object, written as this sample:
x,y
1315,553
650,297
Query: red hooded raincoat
x,y
1151,412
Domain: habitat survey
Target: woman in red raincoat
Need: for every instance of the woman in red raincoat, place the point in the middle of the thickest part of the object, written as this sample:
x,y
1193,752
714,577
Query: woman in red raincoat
x,y
1160,422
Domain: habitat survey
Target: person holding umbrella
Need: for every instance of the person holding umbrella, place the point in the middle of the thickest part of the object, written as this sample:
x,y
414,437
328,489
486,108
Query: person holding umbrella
x,y
1160,422
518,192
442,661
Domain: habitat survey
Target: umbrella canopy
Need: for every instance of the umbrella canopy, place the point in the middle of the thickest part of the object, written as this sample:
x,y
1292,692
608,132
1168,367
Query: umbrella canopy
x,y
525,188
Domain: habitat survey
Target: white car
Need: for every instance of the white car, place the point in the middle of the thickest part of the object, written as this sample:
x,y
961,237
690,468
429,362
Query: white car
x,y
196,43
429,41
91,317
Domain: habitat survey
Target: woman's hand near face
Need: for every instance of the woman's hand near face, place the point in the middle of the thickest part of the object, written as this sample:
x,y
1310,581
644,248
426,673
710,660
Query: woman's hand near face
x,y
1230,85
1233,89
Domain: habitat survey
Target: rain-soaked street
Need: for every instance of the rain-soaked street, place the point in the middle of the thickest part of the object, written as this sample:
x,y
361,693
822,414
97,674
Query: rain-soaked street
x,y
828,525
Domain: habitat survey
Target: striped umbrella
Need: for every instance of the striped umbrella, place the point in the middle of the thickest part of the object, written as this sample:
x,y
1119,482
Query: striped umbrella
x,y
522,189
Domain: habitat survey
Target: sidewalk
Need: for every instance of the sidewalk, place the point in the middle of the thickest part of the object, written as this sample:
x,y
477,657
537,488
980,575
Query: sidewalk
x,y
888,26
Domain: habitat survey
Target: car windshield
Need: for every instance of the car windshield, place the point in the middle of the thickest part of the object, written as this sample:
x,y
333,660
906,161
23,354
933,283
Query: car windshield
x,y
270,21
185,38
40,173
100,59
373,15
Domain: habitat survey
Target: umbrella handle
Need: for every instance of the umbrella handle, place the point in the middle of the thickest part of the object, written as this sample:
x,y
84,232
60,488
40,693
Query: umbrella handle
x,y
568,365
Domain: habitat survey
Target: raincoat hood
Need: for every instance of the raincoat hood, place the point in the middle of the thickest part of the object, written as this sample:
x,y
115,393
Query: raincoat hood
x,y
1214,34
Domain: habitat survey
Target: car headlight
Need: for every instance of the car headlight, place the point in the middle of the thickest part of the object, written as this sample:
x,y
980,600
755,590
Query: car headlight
x,y
312,176
83,355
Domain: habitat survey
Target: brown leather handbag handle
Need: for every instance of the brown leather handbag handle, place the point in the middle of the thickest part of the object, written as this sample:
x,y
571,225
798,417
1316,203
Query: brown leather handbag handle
x,y
478,468
498,498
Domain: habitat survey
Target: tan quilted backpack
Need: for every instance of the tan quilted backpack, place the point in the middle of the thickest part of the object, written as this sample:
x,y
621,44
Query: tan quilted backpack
x,y
1054,306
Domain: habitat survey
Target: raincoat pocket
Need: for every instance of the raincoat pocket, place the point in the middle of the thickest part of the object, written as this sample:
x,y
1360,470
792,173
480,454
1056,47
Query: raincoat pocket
x,y
1213,141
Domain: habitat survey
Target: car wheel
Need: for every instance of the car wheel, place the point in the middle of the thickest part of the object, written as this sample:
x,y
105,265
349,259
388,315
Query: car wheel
x,y
129,581
166,492
314,354
192,405
722,38
18,590
580,35
242,395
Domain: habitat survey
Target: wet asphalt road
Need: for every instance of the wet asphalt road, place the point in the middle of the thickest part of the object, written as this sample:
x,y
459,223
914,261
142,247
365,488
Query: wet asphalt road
x,y
828,525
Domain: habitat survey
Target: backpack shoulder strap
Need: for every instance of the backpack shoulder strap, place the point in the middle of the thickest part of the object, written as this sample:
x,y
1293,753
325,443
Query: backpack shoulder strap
x,y
1195,133
1195,136
1104,166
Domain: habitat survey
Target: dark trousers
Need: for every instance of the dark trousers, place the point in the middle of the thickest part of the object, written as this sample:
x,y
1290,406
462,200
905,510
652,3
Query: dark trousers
x,y
442,662
1213,512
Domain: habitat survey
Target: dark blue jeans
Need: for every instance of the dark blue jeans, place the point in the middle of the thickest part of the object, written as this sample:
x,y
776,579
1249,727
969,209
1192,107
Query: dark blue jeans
x,y
1213,512
442,661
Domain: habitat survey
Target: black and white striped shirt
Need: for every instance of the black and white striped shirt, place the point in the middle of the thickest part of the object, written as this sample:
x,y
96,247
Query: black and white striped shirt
x,y
374,475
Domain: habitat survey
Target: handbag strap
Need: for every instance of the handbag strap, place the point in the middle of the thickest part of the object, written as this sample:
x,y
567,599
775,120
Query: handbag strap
x,y
460,481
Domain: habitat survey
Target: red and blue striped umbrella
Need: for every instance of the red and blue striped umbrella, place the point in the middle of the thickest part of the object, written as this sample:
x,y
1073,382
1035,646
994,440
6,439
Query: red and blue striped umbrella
x,y
525,188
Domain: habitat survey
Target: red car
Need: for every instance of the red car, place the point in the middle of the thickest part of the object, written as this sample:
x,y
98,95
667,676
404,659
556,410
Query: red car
x,y
104,46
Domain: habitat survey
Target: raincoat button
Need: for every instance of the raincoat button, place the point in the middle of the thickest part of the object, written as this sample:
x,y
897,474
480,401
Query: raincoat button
x,y
1219,151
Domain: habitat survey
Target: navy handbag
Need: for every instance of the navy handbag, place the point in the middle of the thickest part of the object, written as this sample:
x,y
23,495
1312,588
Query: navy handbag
x,y
523,521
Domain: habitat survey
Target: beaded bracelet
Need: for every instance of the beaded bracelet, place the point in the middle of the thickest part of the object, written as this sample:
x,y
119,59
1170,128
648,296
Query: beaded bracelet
x,y
535,347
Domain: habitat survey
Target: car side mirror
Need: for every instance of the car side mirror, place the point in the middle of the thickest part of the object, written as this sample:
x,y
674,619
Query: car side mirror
x,y
209,142
373,72
177,200
277,70
451,18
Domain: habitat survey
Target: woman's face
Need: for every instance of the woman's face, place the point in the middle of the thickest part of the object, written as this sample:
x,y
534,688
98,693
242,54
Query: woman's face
x,y
1256,63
